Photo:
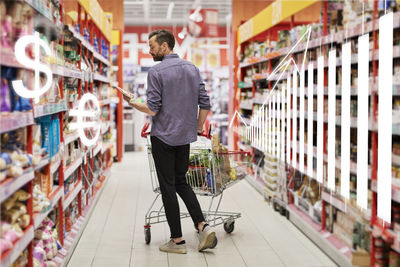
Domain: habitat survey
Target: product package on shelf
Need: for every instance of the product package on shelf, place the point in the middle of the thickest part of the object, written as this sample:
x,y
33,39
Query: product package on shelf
x,y
71,216
10,100
13,157
43,180
14,219
50,128
46,244
22,260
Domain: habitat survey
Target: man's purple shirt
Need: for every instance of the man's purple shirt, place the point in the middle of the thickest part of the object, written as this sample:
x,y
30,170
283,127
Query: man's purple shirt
x,y
175,90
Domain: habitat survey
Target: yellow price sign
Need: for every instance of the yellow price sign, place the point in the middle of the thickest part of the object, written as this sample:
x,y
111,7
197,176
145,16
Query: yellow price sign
x,y
270,16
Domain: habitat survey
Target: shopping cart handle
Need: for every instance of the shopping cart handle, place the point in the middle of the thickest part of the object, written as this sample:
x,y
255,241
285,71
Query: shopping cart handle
x,y
145,127
206,135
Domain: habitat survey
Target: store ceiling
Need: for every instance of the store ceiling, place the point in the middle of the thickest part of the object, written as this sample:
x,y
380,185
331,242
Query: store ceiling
x,y
154,12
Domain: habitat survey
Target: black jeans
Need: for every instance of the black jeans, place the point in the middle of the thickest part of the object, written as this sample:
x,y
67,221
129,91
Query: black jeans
x,y
172,163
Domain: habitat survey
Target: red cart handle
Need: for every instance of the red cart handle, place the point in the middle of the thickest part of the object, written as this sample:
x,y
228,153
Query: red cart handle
x,y
145,127
206,135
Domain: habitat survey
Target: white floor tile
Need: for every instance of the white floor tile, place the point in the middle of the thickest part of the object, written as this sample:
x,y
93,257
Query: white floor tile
x,y
114,235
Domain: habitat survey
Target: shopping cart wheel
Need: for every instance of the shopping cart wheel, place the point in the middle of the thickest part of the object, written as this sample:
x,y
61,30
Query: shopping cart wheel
x,y
214,244
229,227
147,235
275,206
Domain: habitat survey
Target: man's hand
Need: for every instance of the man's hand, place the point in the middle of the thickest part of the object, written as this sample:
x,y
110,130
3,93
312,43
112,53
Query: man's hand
x,y
126,98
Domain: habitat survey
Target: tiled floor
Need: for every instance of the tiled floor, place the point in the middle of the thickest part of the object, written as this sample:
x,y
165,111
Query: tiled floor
x,y
114,235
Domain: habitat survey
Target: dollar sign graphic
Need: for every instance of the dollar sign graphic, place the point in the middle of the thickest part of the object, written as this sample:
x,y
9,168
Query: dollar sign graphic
x,y
34,64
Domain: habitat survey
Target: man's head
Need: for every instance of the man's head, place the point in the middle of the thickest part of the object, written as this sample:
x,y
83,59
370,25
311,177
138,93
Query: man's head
x,y
161,43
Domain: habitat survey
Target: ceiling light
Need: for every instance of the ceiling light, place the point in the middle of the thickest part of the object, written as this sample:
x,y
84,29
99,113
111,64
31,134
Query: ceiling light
x,y
182,34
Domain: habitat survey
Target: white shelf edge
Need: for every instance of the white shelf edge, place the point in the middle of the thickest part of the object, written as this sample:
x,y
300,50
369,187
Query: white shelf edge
x,y
84,221
54,166
14,184
317,238
41,216
42,163
72,195
19,247
71,137
72,167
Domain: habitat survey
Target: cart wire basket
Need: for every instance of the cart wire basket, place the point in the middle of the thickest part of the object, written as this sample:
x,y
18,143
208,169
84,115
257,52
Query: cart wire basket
x,y
210,172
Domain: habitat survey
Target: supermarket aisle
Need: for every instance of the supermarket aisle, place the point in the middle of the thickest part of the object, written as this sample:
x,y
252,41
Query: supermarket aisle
x,y
114,235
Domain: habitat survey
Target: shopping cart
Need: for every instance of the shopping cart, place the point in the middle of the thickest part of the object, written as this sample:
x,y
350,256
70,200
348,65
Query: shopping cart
x,y
210,173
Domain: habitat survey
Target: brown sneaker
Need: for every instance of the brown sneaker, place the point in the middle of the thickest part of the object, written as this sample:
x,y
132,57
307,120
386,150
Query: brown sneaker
x,y
206,238
172,247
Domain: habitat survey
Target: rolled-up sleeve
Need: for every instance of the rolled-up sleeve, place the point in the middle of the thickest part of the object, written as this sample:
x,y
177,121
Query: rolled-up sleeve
x,y
153,92
204,99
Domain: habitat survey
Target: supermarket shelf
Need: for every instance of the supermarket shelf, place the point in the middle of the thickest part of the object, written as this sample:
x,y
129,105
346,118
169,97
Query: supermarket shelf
x,y
54,197
338,37
248,106
106,146
7,58
9,257
396,160
334,201
101,78
257,183
97,149
10,185
44,110
332,246
395,189
114,100
105,102
89,46
68,138
101,58
71,241
15,120
305,207
104,126
244,147
68,171
389,236
41,11
55,164
67,72
72,195
42,163
246,85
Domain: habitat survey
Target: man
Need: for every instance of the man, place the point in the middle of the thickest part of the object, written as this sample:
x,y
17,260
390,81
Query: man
x,y
175,91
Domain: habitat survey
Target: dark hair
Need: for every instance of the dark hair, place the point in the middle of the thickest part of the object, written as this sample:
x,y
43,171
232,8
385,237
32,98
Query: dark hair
x,y
163,36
